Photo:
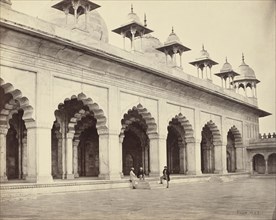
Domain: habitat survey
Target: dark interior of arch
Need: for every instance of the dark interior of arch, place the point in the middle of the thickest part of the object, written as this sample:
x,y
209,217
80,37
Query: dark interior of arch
x,y
135,147
176,148
207,151
231,152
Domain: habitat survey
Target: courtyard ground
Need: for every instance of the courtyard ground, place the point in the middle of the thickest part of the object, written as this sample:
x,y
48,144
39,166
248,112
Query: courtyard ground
x,y
252,198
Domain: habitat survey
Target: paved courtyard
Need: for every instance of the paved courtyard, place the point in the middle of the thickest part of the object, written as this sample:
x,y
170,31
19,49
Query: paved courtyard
x,y
240,199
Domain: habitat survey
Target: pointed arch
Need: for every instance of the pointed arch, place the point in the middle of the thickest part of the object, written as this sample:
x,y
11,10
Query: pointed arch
x,y
136,114
94,109
14,101
188,130
237,136
215,132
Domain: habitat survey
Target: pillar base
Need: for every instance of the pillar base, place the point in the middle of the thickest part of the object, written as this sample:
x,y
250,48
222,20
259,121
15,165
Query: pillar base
x,y
240,170
76,175
3,179
104,176
192,173
70,176
218,172
155,174
39,179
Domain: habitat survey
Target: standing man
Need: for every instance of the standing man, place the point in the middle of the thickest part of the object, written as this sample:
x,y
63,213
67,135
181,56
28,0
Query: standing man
x,y
132,177
166,176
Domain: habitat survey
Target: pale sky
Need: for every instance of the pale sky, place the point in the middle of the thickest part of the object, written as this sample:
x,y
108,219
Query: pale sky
x,y
226,28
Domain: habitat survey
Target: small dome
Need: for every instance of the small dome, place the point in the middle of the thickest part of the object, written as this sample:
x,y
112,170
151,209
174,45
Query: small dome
x,y
226,67
203,54
173,38
245,71
96,26
133,17
149,42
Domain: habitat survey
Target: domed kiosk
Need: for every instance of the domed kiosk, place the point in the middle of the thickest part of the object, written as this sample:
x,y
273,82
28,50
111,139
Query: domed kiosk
x,y
172,47
92,23
246,80
227,75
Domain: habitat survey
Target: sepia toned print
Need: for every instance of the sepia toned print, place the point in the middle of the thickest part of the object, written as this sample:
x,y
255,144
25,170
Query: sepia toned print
x,y
112,112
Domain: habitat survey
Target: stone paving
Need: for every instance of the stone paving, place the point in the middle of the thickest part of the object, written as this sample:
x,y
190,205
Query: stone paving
x,y
252,198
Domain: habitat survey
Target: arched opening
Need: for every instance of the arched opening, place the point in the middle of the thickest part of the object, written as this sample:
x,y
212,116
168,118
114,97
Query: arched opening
x,y
271,163
14,110
241,89
88,147
77,123
207,151
137,124
135,147
249,91
259,164
176,144
231,152
16,164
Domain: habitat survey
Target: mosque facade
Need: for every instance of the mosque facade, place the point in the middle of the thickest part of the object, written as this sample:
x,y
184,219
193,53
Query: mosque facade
x,y
72,105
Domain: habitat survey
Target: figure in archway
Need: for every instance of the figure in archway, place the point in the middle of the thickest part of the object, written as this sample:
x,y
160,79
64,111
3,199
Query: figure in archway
x,y
137,125
135,147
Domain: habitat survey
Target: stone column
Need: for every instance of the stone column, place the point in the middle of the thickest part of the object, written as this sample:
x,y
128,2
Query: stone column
x,y
121,139
75,160
218,160
251,166
63,155
109,156
190,150
114,156
24,155
39,153
197,147
266,165
239,159
154,155
103,156
3,138
69,156
182,157
223,146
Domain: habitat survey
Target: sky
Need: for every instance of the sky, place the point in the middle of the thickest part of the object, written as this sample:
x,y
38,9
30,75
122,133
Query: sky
x,y
226,28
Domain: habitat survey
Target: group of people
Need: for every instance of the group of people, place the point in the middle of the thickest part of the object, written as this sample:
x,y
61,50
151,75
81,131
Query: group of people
x,y
141,176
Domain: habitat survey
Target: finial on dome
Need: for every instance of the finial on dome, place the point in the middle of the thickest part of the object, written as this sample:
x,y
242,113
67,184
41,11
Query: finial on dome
x,y
203,47
242,57
226,60
131,9
172,30
145,20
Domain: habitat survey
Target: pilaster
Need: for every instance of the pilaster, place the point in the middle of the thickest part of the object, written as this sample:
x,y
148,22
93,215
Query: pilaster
x,y
38,153
3,150
197,147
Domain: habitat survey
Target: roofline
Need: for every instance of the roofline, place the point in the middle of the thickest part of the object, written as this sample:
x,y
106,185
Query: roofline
x,y
107,56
